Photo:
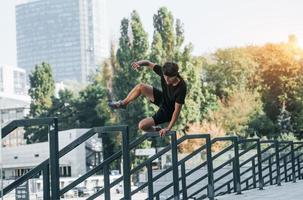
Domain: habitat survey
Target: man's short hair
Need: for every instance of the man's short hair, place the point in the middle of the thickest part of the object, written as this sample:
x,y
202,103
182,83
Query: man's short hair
x,y
170,69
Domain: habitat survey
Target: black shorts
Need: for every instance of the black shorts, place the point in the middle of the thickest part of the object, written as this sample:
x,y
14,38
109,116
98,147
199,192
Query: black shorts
x,y
163,114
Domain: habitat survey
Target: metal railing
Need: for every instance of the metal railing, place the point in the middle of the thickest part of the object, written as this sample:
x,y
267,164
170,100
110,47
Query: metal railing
x,y
127,171
269,162
49,168
51,164
264,166
104,166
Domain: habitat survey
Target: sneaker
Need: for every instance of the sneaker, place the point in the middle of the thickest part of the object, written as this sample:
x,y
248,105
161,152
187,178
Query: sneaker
x,y
157,128
116,105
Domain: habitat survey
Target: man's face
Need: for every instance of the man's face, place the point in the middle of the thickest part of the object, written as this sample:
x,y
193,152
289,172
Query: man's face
x,y
170,79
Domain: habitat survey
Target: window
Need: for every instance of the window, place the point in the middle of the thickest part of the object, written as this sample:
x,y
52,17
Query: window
x,y
65,171
21,172
69,171
19,82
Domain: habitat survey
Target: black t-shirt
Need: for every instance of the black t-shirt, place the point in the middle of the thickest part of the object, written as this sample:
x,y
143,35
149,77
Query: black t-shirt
x,y
171,94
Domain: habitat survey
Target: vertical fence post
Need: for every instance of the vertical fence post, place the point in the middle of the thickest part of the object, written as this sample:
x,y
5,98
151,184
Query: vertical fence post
x,y
106,178
277,149
234,176
126,163
210,170
254,172
293,164
150,181
259,157
106,182
237,166
46,186
54,159
175,165
184,189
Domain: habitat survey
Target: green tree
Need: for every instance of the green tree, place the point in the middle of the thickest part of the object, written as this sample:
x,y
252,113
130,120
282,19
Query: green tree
x,y
42,89
156,56
279,74
297,123
171,34
139,38
104,75
236,114
90,106
191,72
260,125
124,49
157,53
232,69
164,25
284,122
179,39
63,107
297,116
167,45
132,46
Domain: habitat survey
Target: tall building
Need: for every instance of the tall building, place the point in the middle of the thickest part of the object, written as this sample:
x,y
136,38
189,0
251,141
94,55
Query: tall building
x,y
14,101
12,81
70,35
13,92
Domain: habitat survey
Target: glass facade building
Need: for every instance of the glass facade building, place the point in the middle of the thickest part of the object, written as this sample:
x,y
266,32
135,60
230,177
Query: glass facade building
x,y
70,35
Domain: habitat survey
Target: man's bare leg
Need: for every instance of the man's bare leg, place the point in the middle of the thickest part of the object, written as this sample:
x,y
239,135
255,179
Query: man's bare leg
x,y
148,125
140,89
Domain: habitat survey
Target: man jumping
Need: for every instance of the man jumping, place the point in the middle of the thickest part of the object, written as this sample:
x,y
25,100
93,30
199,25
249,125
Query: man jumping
x,y
169,100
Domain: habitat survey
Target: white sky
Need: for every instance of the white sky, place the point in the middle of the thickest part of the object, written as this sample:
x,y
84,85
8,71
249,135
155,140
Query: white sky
x,y
209,24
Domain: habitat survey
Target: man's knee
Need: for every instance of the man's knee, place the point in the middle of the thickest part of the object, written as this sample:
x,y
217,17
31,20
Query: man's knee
x,y
140,86
143,126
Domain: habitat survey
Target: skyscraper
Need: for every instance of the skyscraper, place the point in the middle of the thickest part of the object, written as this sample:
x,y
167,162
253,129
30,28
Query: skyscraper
x,y
70,35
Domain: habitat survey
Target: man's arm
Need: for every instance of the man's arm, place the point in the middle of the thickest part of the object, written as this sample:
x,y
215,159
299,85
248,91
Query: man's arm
x,y
173,119
175,115
141,63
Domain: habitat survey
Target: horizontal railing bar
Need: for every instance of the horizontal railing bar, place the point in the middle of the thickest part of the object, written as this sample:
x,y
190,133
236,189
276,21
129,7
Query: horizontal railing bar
x,y
227,138
25,122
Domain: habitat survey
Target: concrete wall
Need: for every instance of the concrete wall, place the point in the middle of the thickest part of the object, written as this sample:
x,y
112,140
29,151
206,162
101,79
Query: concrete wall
x,y
29,156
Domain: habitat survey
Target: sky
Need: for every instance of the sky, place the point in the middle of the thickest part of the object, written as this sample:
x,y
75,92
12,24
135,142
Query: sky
x,y
208,24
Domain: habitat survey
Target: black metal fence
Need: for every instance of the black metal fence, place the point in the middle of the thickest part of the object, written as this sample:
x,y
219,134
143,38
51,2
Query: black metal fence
x,y
49,168
270,162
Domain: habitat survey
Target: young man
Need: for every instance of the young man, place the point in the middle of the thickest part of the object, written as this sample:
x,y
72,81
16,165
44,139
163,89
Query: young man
x,y
169,100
